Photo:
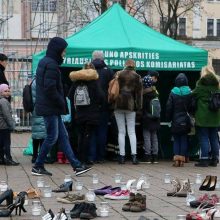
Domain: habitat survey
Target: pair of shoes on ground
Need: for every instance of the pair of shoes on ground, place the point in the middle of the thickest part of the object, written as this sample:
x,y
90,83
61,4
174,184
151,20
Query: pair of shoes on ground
x,y
136,203
71,198
179,161
209,183
118,195
32,193
121,159
150,159
180,189
207,201
84,210
39,171
206,162
50,215
106,190
8,162
65,187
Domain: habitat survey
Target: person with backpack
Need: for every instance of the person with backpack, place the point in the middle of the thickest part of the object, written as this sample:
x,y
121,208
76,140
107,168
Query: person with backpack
x,y
177,111
7,124
126,104
50,103
88,98
207,121
150,120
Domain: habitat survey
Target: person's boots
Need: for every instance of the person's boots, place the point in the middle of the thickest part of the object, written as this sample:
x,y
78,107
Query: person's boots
x,y
8,196
134,159
202,163
60,156
176,161
121,159
181,161
213,162
185,188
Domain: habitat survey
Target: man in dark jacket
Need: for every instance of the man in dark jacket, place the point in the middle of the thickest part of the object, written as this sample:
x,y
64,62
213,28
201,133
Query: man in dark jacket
x,y
50,103
3,64
99,139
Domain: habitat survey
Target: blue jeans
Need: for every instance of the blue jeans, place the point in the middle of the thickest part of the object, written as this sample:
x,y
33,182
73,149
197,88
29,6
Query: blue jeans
x,y
56,131
208,140
99,139
180,144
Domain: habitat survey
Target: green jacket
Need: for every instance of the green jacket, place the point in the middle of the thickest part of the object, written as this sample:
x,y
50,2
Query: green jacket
x,y
203,116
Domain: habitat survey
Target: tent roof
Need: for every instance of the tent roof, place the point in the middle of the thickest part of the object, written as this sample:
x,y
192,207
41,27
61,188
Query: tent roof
x,y
121,37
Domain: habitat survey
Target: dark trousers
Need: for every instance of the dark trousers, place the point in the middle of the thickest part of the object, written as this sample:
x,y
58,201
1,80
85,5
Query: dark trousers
x,y
5,144
36,145
99,139
180,144
56,131
84,140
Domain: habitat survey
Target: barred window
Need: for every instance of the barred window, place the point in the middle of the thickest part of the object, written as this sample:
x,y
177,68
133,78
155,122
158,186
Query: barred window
x,y
182,26
210,27
43,5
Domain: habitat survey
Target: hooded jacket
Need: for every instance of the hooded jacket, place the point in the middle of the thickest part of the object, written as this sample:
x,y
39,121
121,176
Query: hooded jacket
x,y
49,89
89,114
130,91
105,76
178,105
203,116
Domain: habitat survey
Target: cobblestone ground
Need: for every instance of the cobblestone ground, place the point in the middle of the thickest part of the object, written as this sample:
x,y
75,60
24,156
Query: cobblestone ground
x,y
159,206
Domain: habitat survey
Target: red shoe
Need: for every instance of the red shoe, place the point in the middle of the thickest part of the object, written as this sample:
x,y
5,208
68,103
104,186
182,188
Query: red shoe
x,y
60,156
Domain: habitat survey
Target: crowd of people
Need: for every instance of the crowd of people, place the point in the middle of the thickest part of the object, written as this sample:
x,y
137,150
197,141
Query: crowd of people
x,y
91,111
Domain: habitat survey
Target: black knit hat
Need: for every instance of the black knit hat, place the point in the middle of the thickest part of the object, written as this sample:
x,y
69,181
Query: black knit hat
x,y
153,73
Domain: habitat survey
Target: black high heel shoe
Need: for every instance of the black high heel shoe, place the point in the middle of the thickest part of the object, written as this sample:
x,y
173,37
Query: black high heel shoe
x,y
212,183
18,204
8,196
65,187
205,183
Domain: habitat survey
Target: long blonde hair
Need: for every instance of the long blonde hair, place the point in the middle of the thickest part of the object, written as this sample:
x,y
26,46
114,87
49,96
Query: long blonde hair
x,y
209,70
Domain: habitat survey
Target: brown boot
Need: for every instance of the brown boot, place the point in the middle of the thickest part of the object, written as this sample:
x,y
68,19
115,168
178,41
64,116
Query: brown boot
x,y
139,204
176,161
126,207
181,161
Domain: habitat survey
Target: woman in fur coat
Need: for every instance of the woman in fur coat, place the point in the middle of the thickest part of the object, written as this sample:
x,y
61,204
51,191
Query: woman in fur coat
x,y
125,107
87,97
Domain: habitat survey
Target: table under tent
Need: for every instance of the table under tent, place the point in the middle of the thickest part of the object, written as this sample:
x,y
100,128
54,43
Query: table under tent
x,y
121,37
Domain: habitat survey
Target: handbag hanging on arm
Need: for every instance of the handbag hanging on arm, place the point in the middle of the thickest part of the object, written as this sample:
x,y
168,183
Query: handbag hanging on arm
x,y
113,89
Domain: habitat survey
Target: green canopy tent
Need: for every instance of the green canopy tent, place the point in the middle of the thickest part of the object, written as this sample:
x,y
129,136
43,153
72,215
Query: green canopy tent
x,y
122,37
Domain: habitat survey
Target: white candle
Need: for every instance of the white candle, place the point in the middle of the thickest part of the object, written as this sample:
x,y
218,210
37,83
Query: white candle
x,y
36,211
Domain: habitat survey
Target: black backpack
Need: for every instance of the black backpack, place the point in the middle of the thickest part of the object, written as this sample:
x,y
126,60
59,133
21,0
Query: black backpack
x,y
214,101
27,98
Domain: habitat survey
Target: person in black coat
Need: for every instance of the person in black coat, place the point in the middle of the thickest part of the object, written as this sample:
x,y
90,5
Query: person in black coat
x,y
50,103
3,64
99,137
88,99
150,125
178,105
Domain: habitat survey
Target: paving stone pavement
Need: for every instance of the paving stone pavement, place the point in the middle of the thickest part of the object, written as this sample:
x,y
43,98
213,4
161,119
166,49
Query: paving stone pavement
x,y
159,206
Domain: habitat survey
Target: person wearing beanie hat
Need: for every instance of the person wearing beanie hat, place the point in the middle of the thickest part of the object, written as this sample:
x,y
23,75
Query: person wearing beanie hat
x,y
150,124
6,126
51,104
177,110
154,75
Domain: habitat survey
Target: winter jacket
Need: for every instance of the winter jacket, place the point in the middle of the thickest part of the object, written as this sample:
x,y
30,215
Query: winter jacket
x,y
105,76
151,124
49,89
37,122
178,105
6,120
203,116
130,91
3,79
89,114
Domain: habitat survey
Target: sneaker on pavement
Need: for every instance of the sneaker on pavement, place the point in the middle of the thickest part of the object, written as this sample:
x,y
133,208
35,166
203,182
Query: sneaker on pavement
x,y
39,171
82,169
119,195
71,198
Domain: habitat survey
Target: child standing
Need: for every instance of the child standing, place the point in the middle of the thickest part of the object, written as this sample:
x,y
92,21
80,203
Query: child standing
x,y
6,126
150,124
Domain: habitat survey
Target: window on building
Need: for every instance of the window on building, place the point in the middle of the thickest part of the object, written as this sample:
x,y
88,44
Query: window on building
x,y
210,27
43,5
216,65
162,23
182,26
218,28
